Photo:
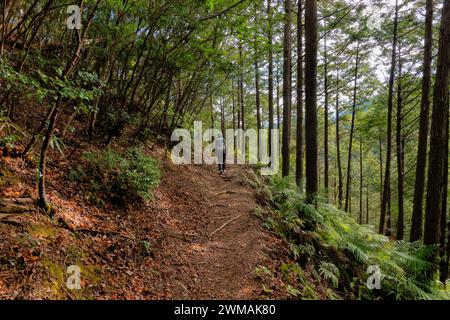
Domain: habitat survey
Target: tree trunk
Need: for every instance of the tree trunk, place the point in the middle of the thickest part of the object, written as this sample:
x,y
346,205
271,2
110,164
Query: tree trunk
x,y
42,167
400,165
211,103
338,147
352,129
270,102
278,97
385,207
311,99
287,89
443,268
3,27
70,68
233,105
381,167
36,134
222,116
278,106
361,213
6,7
445,271
241,83
299,145
438,158
367,205
325,139
258,106
419,187
239,123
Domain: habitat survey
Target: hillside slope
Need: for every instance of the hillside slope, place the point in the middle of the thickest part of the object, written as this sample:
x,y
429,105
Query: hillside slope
x,y
197,239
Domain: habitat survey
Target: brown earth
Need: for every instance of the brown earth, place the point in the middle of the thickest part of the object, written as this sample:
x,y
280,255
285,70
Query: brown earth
x,y
198,239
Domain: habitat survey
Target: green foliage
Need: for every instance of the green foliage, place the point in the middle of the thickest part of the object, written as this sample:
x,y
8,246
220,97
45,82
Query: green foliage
x,y
124,179
140,174
10,133
331,242
9,140
39,85
77,174
330,272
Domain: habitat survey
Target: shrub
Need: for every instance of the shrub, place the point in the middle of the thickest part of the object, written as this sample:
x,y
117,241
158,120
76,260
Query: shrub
x,y
123,179
139,173
341,250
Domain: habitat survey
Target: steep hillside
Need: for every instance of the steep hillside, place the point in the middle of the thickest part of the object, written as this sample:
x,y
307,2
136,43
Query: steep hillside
x,y
197,237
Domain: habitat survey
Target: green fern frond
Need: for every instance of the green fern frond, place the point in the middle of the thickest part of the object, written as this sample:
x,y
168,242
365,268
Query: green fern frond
x,y
330,273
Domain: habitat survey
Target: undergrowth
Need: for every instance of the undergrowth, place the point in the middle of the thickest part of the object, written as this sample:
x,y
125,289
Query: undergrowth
x,y
340,251
122,178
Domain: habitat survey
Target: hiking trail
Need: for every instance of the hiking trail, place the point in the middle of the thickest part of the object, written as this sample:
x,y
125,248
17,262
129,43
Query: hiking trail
x,y
199,238
222,242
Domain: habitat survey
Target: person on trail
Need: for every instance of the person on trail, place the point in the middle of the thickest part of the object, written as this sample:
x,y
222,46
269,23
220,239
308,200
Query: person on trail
x,y
220,153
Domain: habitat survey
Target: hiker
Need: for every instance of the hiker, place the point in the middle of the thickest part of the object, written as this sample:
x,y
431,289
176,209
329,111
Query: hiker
x,y
221,153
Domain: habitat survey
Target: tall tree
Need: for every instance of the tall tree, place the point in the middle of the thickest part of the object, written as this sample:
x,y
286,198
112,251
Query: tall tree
x,y
419,187
258,101
380,158
278,103
438,159
233,105
241,87
239,108
352,130
287,88
311,99
367,204
338,147
445,224
299,146
257,87
385,203
270,66
361,180
400,157
69,70
222,116
325,126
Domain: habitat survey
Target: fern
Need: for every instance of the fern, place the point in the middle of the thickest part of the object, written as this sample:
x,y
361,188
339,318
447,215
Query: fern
x,y
330,273
356,252
324,237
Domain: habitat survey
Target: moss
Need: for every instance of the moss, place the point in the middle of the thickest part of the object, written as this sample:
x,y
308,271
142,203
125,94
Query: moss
x,y
7,179
74,254
55,279
56,282
42,232
27,241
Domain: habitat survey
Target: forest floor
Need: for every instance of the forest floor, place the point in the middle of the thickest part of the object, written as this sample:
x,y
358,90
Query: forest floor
x,y
198,239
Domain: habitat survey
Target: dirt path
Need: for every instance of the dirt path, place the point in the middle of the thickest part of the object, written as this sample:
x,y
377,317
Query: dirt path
x,y
198,239
217,242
